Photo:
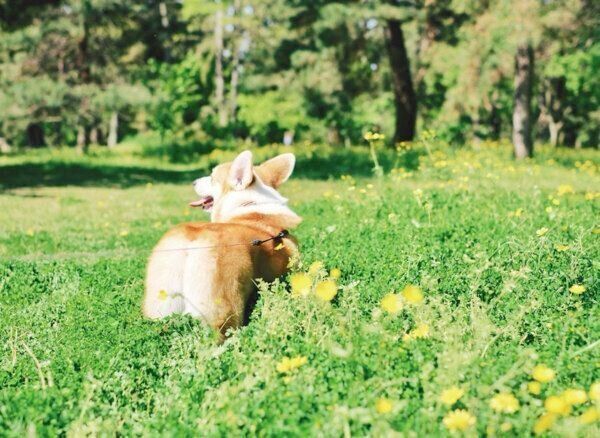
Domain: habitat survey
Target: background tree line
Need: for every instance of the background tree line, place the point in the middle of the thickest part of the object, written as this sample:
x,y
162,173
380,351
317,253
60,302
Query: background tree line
x,y
211,73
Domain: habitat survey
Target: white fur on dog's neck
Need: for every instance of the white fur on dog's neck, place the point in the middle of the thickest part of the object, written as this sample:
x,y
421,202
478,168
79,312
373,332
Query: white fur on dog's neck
x,y
260,199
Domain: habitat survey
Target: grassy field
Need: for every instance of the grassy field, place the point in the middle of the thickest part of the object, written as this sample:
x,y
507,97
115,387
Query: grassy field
x,y
495,247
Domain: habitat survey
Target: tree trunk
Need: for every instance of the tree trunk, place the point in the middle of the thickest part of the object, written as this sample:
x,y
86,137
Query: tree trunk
x,y
522,106
404,93
552,106
83,67
235,66
94,135
219,79
82,144
554,128
164,22
113,130
496,122
235,76
4,146
83,70
35,135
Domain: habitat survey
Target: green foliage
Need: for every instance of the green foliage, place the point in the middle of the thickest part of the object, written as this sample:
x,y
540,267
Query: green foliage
x,y
268,115
78,358
193,8
320,69
579,70
467,87
32,100
185,90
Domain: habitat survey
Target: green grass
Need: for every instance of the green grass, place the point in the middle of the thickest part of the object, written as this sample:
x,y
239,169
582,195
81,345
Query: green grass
x,y
77,357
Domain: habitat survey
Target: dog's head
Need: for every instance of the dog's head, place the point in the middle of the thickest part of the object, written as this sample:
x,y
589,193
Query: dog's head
x,y
239,186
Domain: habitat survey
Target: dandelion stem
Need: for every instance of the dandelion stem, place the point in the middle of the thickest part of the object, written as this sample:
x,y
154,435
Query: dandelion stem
x,y
586,348
37,364
376,167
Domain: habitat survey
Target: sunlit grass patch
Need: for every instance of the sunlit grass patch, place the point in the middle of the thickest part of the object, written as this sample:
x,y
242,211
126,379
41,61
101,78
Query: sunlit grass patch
x,y
426,301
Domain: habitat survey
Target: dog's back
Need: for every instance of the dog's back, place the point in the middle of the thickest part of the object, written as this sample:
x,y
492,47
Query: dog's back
x,y
207,270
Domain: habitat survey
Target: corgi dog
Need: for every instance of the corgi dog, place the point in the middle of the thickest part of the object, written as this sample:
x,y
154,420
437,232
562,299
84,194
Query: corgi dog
x,y
208,270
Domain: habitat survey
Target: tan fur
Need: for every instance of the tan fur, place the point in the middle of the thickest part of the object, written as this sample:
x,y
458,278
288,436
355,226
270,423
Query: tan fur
x,y
216,283
273,171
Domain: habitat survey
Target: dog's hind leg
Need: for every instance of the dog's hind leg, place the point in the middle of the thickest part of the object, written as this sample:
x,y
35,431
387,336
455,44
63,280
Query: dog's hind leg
x,y
164,284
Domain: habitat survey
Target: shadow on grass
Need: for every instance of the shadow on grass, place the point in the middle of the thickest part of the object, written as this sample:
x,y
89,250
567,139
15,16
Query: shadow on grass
x,y
87,173
55,173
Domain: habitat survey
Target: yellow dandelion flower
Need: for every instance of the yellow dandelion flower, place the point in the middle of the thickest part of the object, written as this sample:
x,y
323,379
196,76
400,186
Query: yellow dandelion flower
x,y
561,248
298,361
555,202
549,209
557,405
383,406
458,419
30,232
391,303
420,331
506,426
595,391
412,294
590,415
590,196
542,231
504,402
284,365
534,388
326,290
300,283
577,289
451,395
335,273
315,268
596,231
162,295
124,233
574,396
517,213
565,189
544,423
543,374
279,247
289,364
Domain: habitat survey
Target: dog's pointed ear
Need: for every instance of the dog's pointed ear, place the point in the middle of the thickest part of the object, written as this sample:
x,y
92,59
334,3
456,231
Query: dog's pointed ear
x,y
276,171
240,173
